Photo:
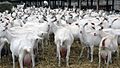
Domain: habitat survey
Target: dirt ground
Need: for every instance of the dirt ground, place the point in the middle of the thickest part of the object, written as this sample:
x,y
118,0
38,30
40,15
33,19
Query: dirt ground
x,y
48,59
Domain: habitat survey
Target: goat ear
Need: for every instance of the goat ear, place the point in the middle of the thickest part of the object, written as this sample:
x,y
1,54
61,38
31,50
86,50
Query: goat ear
x,y
85,24
54,20
6,18
105,18
45,19
44,16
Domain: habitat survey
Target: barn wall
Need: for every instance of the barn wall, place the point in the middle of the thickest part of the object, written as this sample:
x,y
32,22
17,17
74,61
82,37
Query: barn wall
x,y
117,5
102,2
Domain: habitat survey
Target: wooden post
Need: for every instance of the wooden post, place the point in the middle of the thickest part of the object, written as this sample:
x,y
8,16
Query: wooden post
x,y
40,3
91,3
97,7
49,3
58,3
80,4
55,4
112,5
69,3
63,4
87,3
107,5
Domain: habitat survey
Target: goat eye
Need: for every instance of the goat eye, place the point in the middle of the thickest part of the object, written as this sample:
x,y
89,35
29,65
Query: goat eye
x,y
76,24
80,31
36,17
93,27
5,29
101,27
6,24
110,26
2,22
69,23
95,34
92,23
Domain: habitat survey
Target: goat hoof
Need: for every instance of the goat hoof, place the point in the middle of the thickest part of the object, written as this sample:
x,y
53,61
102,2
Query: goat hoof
x,y
80,62
59,65
111,62
67,65
91,61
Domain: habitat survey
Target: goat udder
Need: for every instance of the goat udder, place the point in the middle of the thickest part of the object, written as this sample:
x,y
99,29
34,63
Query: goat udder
x,y
27,60
63,52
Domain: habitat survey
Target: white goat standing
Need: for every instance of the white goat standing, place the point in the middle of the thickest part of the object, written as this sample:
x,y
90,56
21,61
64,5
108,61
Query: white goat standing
x,y
2,43
89,40
19,45
63,40
107,45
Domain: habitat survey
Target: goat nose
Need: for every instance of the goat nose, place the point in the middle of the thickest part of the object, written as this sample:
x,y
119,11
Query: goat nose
x,y
95,34
80,31
110,26
48,26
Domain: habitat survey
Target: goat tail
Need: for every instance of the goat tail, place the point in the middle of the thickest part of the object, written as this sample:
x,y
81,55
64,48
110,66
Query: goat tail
x,y
103,43
27,50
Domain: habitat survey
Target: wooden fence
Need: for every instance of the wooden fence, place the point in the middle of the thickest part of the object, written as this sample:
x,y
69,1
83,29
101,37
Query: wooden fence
x,y
95,4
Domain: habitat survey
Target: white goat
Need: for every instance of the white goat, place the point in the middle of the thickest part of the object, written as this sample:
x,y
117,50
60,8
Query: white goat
x,y
19,45
63,41
107,46
2,43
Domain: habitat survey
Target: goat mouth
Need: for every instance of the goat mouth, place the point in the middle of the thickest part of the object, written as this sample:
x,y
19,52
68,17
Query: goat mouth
x,y
95,34
81,32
